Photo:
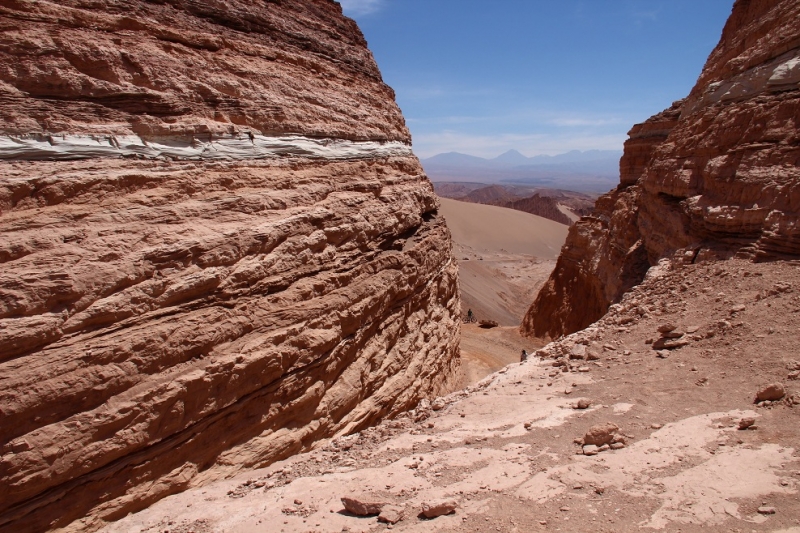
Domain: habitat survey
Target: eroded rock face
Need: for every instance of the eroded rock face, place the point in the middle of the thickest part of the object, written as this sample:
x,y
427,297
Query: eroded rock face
x,y
165,322
180,67
713,176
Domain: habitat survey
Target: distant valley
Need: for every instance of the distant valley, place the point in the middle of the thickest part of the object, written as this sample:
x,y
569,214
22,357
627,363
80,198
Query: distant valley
x,y
591,171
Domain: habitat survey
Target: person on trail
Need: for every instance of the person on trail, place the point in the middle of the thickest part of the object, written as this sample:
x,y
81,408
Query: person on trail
x,y
469,315
523,357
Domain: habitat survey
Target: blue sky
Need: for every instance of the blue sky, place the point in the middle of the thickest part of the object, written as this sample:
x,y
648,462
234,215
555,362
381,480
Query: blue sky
x,y
540,76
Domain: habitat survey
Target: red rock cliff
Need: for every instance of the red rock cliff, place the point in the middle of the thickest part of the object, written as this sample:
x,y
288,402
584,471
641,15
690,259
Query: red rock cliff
x,y
217,248
715,175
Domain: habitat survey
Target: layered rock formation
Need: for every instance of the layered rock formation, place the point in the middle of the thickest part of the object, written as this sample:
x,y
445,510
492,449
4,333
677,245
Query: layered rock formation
x,y
181,67
715,175
270,269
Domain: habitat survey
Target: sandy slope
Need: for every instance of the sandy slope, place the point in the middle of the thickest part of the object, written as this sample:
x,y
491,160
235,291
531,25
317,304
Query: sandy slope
x,y
487,228
500,287
569,212
503,255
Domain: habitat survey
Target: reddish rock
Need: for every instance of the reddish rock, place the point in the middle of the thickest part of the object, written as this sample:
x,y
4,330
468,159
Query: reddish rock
x,y
667,343
191,68
771,393
583,403
166,322
621,264
437,508
362,506
746,423
391,514
601,434
712,176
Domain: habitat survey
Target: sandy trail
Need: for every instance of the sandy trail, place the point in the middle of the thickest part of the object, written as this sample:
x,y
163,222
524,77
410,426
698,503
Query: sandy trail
x,y
484,351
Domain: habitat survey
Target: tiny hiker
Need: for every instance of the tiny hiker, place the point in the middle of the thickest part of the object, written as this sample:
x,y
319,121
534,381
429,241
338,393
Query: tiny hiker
x,y
523,357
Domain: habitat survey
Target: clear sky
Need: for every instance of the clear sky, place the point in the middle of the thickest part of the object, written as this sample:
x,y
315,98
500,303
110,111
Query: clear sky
x,y
540,76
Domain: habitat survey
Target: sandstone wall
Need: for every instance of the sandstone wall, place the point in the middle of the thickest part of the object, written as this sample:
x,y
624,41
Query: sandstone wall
x,y
282,277
170,67
715,175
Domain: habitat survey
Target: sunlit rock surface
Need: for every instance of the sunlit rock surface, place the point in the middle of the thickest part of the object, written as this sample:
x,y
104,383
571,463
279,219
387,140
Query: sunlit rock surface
x,y
200,304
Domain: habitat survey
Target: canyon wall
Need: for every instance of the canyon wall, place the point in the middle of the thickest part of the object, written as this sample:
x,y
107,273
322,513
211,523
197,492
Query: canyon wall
x,y
715,175
217,248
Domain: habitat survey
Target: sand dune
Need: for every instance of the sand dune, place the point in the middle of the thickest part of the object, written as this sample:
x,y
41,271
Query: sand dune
x,y
503,257
487,228
502,286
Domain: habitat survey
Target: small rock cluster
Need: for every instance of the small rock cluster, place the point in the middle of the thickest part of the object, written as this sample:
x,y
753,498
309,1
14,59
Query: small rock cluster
x,y
794,370
671,338
601,438
568,357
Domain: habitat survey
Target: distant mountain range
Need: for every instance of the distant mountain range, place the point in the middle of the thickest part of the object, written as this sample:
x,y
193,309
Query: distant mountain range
x,y
592,170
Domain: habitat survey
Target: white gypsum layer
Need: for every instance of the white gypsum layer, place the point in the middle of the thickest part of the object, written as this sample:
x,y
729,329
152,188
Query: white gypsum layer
x,y
229,147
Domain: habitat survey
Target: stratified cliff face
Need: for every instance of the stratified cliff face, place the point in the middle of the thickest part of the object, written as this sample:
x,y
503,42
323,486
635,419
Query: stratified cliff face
x,y
217,248
715,175
173,67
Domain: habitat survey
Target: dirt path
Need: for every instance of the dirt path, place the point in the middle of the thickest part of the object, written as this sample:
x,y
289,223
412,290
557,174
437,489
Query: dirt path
x,y
484,351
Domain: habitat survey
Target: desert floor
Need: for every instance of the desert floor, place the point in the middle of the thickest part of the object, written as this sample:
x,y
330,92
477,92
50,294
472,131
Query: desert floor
x,y
504,450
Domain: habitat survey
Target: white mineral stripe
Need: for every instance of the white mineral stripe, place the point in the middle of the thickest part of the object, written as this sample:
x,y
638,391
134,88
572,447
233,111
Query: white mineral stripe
x,y
233,147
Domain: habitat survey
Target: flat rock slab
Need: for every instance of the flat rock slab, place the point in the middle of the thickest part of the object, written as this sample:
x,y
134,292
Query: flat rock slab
x,y
362,505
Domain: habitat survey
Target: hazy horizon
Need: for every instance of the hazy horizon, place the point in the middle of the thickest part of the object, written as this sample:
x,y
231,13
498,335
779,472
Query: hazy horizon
x,y
497,155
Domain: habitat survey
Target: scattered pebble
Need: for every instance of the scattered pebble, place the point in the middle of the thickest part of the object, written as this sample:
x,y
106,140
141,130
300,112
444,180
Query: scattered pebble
x,y
590,449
